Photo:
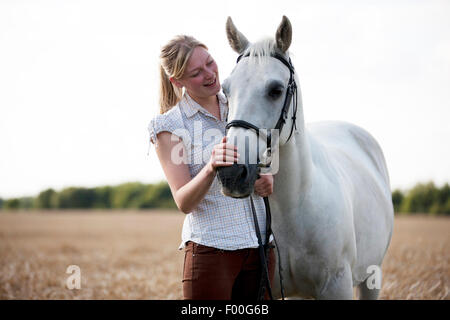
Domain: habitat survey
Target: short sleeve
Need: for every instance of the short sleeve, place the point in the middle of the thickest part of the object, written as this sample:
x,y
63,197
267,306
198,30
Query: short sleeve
x,y
170,121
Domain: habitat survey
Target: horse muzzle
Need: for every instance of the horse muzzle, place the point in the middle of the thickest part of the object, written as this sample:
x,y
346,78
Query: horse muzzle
x,y
238,180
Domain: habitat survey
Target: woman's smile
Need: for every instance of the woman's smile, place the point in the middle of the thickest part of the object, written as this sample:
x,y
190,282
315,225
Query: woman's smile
x,y
211,83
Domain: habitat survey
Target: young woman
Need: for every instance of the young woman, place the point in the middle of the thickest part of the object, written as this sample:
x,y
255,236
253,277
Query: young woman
x,y
221,254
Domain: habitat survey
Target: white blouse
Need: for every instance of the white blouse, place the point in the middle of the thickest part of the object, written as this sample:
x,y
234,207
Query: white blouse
x,y
218,221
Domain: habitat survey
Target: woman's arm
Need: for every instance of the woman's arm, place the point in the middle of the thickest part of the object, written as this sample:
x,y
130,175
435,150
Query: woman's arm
x,y
188,192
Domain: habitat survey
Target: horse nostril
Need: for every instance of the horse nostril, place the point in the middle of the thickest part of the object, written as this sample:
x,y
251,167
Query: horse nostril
x,y
244,173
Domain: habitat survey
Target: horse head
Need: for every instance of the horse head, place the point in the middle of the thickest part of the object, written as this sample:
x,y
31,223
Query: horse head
x,y
261,93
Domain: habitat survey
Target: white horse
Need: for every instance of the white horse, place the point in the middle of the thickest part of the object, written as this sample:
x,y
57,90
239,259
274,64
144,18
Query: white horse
x,y
332,211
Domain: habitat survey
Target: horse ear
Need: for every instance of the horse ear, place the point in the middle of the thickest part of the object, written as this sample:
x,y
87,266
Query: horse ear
x,y
236,39
284,34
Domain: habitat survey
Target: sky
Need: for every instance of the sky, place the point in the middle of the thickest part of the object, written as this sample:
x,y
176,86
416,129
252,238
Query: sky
x,y
79,81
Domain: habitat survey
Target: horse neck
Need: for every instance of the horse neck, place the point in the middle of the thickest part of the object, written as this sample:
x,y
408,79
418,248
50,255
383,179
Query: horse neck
x,y
294,175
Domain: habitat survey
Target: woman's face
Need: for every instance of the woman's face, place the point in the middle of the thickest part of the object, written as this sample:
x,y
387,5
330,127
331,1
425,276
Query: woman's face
x,y
201,78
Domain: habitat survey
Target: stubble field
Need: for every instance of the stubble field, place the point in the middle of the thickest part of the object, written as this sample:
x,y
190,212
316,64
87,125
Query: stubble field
x,y
134,255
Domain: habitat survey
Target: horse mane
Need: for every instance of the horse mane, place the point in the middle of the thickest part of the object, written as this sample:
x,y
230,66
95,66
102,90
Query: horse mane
x,y
260,51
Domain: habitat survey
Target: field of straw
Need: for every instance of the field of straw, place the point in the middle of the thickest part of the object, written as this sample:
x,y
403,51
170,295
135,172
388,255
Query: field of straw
x,y
134,255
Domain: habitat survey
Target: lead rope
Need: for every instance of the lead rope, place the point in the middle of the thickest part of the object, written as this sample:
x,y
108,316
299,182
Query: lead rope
x,y
269,215
264,250
264,282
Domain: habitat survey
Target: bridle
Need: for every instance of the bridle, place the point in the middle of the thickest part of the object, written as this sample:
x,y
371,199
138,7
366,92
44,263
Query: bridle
x,y
291,95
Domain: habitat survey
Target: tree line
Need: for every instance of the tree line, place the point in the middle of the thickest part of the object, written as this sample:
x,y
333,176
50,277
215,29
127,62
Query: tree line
x,y
422,198
132,195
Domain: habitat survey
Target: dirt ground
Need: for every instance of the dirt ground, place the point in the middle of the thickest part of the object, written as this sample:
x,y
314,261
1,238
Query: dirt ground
x,y
134,255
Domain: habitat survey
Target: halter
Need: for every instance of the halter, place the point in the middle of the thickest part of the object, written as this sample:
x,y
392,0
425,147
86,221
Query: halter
x,y
291,94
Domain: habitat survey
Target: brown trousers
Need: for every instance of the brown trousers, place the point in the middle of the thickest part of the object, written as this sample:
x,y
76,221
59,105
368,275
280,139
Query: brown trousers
x,y
211,273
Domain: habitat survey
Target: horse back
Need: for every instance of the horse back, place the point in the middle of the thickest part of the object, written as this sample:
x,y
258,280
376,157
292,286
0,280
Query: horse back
x,y
340,140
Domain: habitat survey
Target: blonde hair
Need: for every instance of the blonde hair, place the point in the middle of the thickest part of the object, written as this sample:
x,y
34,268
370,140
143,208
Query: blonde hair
x,y
173,61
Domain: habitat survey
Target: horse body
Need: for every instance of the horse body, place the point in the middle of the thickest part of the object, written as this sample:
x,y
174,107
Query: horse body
x,y
332,212
337,220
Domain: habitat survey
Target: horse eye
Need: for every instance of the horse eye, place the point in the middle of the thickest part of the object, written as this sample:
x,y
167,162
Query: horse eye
x,y
274,93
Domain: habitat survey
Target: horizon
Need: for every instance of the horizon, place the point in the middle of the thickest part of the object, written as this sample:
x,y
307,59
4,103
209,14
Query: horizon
x,y
403,190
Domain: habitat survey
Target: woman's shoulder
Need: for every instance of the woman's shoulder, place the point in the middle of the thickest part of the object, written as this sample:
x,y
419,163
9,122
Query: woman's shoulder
x,y
170,115
169,118
170,121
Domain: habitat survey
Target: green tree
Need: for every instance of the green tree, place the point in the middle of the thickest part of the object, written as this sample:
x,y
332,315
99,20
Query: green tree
x,y
397,199
103,197
26,202
441,204
11,204
46,199
420,198
127,195
157,196
446,207
72,197
444,199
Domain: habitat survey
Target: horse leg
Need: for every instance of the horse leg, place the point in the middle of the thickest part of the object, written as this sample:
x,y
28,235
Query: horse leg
x,y
338,286
367,291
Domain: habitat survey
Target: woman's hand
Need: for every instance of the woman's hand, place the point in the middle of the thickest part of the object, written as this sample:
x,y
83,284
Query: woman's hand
x,y
264,185
223,155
